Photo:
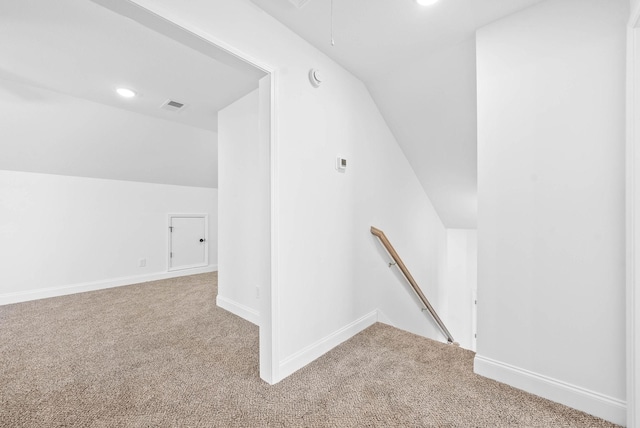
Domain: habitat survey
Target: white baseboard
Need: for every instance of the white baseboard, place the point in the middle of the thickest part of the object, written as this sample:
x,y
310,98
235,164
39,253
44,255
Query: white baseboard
x,y
602,406
43,293
239,309
315,350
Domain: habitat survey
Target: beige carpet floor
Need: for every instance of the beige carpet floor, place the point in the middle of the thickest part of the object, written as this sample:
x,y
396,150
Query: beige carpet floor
x,y
162,354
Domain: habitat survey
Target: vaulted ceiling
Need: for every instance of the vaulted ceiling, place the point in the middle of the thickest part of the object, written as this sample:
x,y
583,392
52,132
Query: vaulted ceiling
x,y
60,64
419,65
82,49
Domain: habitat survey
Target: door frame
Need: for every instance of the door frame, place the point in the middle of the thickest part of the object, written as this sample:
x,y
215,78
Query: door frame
x,y
153,15
169,241
633,218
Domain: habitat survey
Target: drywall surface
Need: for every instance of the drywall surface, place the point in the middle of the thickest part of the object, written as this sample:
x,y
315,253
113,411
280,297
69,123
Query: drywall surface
x,y
436,126
58,231
242,222
330,274
385,193
551,111
461,282
49,132
634,4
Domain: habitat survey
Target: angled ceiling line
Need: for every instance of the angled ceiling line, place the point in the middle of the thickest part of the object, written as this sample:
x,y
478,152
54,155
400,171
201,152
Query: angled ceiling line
x,y
299,3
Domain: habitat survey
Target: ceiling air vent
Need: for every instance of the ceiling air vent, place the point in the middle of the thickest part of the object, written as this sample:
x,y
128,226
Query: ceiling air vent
x,y
172,105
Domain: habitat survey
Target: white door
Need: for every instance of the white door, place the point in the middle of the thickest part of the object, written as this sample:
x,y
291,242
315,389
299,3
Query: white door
x,y
188,246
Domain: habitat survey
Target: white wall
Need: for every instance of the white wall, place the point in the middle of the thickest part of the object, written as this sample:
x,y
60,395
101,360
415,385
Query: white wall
x,y
49,132
330,273
384,192
634,4
461,282
243,223
61,234
435,124
551,202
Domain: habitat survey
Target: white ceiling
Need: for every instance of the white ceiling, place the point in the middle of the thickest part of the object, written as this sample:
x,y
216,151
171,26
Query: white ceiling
x,y
80,48
419,65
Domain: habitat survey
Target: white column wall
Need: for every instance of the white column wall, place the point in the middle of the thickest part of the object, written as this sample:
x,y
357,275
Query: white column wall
x,y
243,221
551,202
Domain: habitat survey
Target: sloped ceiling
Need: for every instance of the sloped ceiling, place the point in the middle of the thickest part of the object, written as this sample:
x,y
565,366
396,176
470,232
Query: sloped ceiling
x,y
60,63
419,65
79,48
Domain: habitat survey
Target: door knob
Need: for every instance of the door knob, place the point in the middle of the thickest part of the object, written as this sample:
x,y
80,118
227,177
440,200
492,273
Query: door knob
x,y
201,240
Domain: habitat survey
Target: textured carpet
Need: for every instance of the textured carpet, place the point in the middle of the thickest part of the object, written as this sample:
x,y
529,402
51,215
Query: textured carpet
x,y
162,354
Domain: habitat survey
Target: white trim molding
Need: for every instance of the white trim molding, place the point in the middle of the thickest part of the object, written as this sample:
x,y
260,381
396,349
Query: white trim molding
x,y
314,351
632,220
602,406
43,293
270,308
239,309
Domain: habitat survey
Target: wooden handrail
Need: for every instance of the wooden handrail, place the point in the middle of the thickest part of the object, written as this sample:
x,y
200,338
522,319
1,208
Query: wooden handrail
x,y
396,258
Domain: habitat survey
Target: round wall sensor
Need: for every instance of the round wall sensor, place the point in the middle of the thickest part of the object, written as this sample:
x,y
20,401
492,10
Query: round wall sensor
x,y
315,77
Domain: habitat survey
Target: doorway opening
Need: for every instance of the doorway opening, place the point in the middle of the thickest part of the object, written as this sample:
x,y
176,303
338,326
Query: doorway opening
x,y
265,189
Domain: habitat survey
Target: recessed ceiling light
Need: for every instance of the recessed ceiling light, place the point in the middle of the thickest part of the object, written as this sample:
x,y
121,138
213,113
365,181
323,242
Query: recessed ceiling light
x,y
125,92
426,2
